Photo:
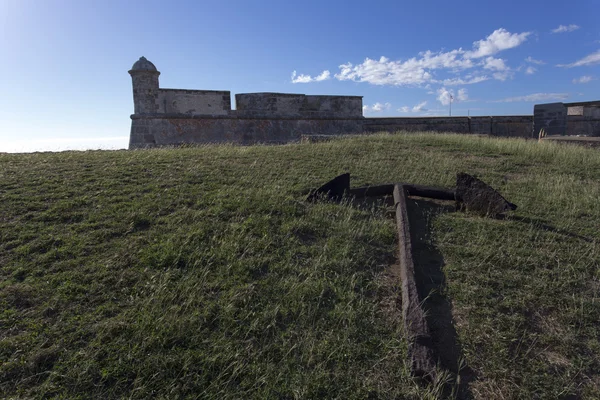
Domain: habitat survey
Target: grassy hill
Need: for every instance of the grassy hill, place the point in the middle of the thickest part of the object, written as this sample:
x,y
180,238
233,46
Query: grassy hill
x,y
202,273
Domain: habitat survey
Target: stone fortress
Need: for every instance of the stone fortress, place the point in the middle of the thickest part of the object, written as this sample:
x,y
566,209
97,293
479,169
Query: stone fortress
x,y
168,117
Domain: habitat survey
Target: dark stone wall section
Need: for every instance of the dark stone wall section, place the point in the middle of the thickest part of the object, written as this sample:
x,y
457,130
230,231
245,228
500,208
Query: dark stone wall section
x,y
251,127
551,117
506,126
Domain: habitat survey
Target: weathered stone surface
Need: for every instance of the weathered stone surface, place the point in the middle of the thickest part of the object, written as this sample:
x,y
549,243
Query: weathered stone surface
x,y
300,105
334,189
194,102
552,117
505,126
177,129
477,196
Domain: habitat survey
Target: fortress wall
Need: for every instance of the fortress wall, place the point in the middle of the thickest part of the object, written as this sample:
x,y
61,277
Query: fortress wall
x,y
513,126
552,117
177,129
481,125
591,112
507,126
250,128
340,105
179,116
413,124
272,103
583,125
194,102
287,104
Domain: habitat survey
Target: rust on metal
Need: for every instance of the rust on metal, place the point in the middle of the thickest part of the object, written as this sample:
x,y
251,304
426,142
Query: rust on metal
x,y
420,352
333,190
479,197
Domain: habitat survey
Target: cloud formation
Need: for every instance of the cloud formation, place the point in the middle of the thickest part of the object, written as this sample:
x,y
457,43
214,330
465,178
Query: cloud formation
x,y
377,107
418,108
494,64
421,70
469,80
499,40
446,96
590,59
530,70
565,28
534,97
307,78
583,79
534,61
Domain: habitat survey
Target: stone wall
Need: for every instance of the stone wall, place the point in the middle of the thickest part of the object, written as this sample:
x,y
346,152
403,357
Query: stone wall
x,y
512,126
551,117
516,126
177,129
413,124
288,104
582,126
194,102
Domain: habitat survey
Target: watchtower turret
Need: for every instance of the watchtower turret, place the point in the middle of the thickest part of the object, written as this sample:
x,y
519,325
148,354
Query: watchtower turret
x,y
144,77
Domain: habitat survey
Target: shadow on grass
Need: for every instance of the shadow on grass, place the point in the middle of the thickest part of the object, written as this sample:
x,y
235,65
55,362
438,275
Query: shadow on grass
x,y
430,285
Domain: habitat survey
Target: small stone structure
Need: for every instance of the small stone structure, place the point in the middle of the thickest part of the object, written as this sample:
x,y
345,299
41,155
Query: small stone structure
x,y
164,117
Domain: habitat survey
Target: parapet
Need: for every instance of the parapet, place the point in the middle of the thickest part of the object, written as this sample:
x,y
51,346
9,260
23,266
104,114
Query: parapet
x,y
194,102
298,105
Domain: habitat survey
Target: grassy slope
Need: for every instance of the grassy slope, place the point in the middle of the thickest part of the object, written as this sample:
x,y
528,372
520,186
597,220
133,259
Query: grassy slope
x,y
201,272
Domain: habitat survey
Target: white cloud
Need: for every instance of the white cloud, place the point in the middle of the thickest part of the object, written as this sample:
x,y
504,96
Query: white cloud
x,y
499,40
386,72
381,107
445,96
420,107
307,78
565,28
502,75
377,107
534,97
323,76
530,70
420,70
534,61
460,81
590,59
494,64
583,79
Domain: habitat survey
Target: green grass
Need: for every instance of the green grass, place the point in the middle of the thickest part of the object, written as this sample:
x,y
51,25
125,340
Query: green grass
x,y
202,273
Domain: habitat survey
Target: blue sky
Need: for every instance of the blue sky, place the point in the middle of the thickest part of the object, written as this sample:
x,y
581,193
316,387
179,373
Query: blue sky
x,y
64,67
